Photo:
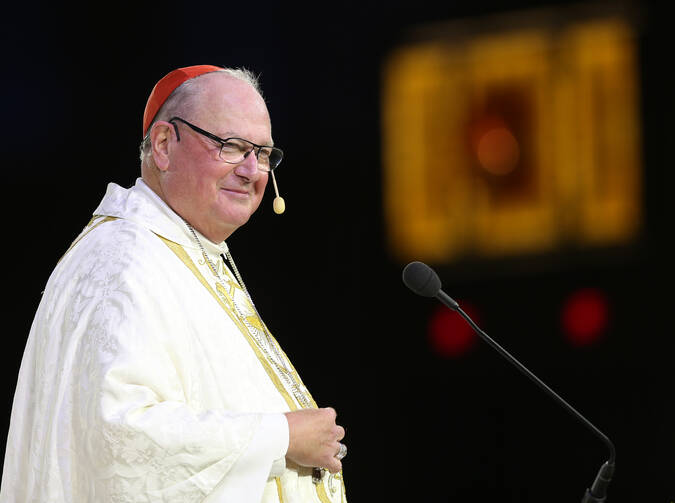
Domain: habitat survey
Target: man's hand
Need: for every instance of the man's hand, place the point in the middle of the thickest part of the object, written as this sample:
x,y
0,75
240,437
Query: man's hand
x,y
314,438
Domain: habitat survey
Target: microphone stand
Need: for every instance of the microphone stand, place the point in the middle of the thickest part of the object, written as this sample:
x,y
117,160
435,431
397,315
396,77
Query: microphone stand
x,y
597,493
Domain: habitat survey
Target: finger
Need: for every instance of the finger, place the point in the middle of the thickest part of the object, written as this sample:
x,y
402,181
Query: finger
x,y
340,433
331,412
334,466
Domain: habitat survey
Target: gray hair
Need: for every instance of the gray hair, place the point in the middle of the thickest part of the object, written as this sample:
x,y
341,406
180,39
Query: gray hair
x,y
181,100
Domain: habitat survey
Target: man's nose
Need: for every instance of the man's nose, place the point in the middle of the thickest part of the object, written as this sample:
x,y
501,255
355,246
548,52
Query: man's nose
x,y
248,168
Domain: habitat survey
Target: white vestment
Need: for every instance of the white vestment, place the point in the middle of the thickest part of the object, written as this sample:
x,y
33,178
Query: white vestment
x,y
147,377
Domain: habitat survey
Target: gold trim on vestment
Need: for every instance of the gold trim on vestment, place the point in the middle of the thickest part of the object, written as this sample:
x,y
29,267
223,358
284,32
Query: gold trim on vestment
x,y
280,493
185,258
88,228
321,493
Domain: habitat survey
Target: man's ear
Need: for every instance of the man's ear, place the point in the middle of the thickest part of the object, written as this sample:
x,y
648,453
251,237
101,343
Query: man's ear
x,y
161,135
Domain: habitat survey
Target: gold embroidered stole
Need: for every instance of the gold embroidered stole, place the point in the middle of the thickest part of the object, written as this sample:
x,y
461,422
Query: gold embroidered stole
x,y
224,294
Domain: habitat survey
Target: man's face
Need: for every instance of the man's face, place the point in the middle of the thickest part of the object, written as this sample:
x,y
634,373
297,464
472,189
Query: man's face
x,y
212,195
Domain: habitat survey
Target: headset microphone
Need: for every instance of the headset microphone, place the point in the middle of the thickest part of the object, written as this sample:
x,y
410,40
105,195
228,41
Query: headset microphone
x,y
279,205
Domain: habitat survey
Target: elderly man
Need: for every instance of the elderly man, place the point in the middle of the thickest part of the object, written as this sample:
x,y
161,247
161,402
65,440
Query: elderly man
x,y
148,374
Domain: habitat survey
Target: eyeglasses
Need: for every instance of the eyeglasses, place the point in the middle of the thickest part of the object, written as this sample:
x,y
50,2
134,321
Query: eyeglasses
x,y
235,150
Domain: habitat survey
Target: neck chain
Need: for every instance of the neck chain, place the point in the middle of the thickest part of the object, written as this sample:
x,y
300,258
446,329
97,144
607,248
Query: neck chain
x,y
279,362
213,267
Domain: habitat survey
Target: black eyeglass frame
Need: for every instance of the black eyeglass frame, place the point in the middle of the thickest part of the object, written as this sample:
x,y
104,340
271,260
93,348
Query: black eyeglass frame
x,y
255,147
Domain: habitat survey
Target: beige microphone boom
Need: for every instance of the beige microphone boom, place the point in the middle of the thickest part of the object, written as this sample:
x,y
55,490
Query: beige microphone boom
x,y
279,205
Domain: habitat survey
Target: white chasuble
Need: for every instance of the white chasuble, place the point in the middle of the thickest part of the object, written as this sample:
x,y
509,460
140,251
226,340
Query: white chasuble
x,y
149,377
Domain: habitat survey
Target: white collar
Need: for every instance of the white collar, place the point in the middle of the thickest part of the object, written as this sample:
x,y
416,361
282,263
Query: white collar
x,y
141,205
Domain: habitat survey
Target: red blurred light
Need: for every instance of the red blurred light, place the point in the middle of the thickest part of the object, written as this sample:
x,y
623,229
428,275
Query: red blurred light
x,y
585,316
449,334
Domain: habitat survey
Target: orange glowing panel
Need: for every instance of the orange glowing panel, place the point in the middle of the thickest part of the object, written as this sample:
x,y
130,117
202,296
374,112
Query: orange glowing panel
x,y
511,143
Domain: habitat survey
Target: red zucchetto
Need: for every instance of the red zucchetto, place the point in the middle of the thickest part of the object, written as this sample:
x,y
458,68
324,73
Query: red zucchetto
x,y
167,85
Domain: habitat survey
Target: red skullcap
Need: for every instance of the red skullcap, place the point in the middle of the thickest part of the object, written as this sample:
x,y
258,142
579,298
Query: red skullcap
x,y
167,85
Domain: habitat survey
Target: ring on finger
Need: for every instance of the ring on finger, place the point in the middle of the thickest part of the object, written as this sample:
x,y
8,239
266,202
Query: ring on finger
x,y
341,453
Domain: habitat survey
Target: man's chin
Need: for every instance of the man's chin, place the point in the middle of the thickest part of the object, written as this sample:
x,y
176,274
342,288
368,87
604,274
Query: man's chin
x,y
232,220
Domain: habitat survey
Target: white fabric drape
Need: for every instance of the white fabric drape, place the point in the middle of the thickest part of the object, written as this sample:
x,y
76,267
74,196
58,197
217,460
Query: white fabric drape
x,y
138,385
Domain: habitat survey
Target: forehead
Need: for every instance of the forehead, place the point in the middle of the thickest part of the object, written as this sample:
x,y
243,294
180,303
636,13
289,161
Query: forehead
x,y
227,105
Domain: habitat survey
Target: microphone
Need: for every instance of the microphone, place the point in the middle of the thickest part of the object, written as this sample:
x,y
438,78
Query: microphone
x,y
424,281
278,204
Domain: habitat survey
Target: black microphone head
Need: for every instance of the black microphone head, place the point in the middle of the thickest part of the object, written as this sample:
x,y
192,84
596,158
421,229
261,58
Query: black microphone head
x,y
421,279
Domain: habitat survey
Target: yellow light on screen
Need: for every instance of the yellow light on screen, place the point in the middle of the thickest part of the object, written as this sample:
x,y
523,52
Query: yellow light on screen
x,y
509,143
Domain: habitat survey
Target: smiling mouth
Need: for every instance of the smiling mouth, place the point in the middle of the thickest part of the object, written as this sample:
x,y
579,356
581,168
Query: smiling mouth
x,y
236,192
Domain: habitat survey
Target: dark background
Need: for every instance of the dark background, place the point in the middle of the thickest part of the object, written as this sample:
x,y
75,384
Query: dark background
x,y
419,427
